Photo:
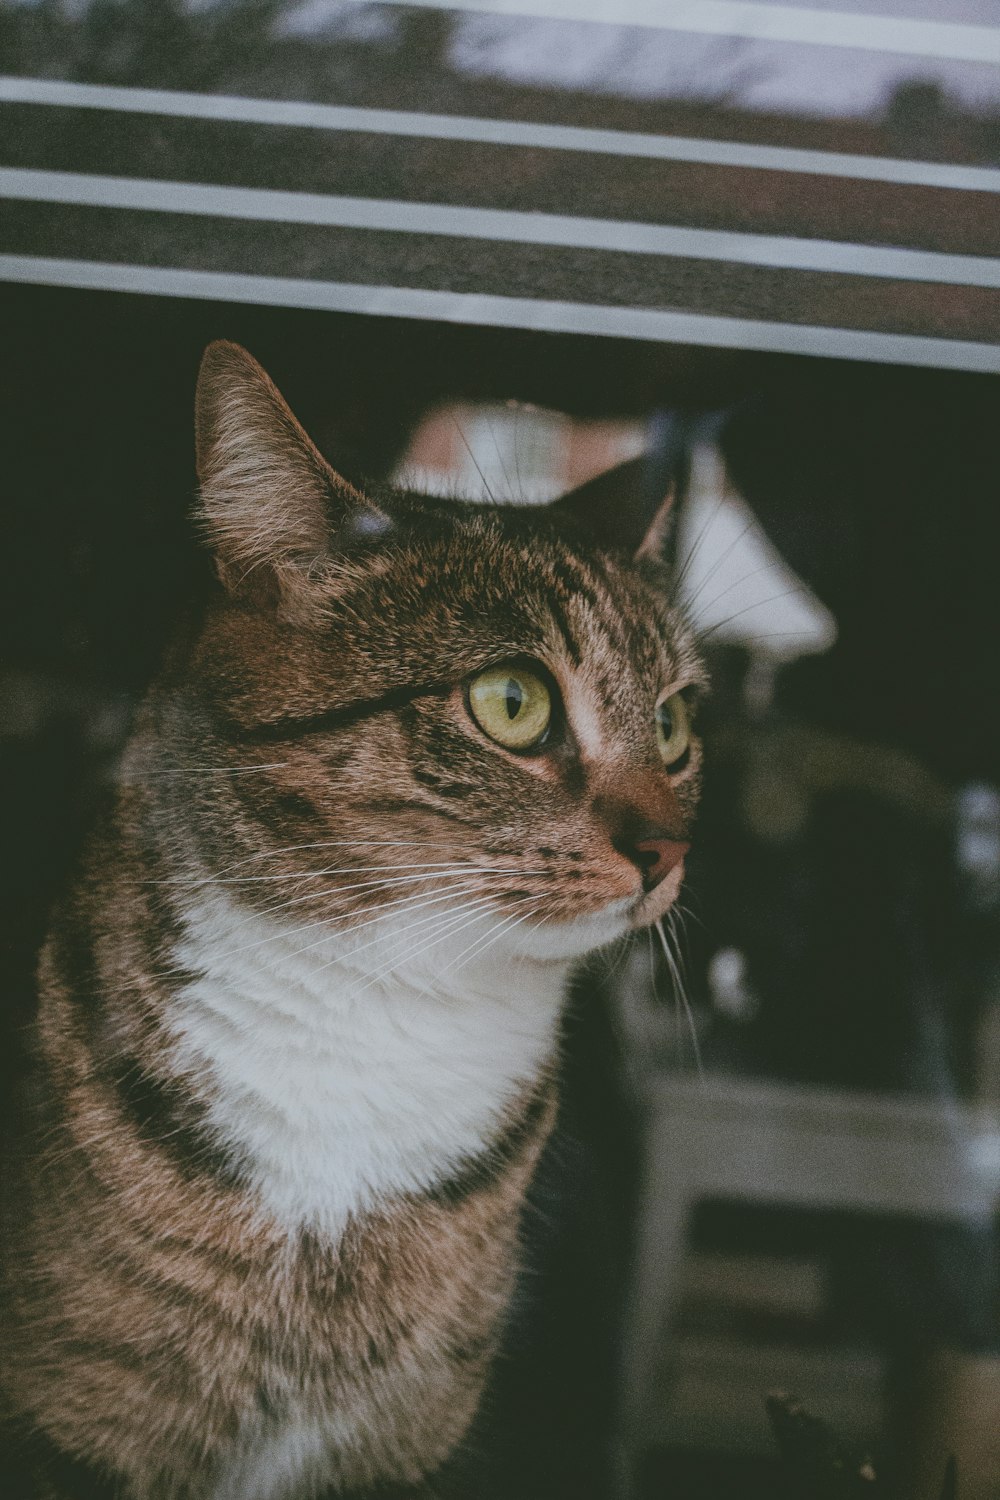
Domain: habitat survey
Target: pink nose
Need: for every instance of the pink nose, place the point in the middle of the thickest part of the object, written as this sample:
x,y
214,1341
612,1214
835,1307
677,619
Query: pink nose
x,y
656,858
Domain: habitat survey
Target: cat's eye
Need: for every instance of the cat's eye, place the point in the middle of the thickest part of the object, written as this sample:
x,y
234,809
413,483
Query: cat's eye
x,y
673,729
513,705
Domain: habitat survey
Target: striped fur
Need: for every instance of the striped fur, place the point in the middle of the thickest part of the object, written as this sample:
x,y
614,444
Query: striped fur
x,y
296,1046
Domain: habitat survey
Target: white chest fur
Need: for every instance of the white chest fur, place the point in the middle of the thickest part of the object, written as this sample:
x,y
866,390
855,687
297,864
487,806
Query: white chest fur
x,y
347,1069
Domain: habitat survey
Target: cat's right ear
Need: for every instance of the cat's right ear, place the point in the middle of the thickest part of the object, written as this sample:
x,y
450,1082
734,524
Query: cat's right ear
x,y
273,507
632,508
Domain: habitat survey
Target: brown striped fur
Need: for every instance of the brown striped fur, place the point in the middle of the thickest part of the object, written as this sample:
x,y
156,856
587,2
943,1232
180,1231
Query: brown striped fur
x,y
157,1318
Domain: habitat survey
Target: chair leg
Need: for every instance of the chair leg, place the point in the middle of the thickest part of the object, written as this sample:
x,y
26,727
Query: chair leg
x,y
655,1285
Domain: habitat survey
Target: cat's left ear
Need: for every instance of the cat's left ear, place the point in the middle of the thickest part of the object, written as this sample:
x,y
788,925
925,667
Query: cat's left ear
x,y
629,509
275,511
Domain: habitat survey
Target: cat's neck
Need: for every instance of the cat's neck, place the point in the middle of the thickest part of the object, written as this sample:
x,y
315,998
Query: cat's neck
x,y
347,1070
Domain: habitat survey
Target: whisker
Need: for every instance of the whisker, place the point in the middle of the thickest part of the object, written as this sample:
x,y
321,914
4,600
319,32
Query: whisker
x,y
400,933
685,568
689,603
466,916
681,995
320,921
514,900
468,449
458,873
506,926
408,903
503,466
757,604
278,765
738,583
677,933
651,951
457,921
342,894
785,635
338,896
538,901
327,844
448,929
517,452
609,960
445,865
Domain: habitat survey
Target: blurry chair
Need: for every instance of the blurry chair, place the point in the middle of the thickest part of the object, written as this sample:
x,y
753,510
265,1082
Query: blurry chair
x,y
769,1143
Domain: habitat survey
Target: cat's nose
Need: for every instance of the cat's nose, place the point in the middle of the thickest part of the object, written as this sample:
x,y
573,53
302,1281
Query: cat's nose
x,y
655,856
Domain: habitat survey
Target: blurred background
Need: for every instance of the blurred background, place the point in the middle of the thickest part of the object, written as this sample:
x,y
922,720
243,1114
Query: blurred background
x,y
498,249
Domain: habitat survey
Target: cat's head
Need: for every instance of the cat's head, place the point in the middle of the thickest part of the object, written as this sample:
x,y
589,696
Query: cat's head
x,y
428,708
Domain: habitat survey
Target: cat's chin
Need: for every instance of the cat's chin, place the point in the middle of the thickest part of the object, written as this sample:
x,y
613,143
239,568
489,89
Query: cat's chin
x,y
565,941
659,901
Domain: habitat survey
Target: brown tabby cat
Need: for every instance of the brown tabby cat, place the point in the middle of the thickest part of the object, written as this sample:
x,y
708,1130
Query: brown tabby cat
x,y
294,1061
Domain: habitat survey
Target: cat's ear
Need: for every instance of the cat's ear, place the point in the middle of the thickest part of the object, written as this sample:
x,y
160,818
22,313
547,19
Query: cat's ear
x,y
621,512
274,509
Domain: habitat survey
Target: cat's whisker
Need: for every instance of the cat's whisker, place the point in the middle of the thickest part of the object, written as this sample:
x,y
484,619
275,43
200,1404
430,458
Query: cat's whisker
x,y
462,918
443,920
690,602
448,931
757,604
680,995
402,905
689,915
503,466
411,902
685,568
486,908
336,897
610,959
483,943
475,461
438,864
677,934
439,926
469,922
460,872
443,865
488,938
137,777
517,453
651,956
399,933
406,903
387,873
321,844
457,920
785,635
737,583
341,893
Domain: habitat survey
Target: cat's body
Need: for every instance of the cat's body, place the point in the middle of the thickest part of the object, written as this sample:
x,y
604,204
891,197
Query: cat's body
x,y
298,1028
263,1348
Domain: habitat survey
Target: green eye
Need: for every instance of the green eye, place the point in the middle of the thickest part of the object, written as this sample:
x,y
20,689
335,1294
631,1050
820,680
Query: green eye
x,y
673,729
512,705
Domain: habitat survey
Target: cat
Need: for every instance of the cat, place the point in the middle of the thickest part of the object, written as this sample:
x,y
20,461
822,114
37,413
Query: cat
x,y
296,1047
